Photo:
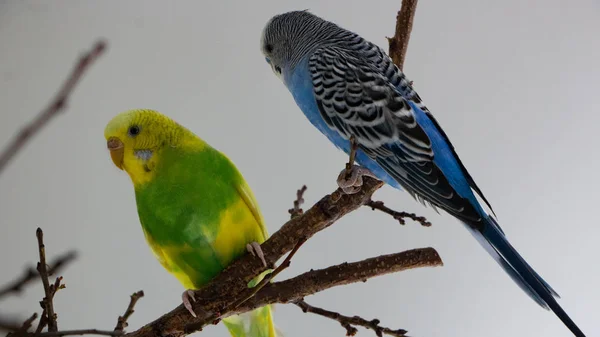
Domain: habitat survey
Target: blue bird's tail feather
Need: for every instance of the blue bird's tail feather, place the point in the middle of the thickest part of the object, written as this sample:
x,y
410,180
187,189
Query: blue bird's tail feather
x,y
495,243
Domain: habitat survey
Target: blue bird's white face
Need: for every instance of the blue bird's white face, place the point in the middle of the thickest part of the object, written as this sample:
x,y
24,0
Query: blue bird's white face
x,y
289,38
276,69
268,48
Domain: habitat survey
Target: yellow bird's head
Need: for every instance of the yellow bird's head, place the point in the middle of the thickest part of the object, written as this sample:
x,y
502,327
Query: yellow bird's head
x,y
136,138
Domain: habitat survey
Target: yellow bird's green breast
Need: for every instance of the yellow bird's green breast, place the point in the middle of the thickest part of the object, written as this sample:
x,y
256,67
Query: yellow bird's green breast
x,y
198,214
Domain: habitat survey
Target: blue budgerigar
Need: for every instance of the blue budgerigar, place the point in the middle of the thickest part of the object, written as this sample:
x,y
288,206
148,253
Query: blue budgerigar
x,y
347,86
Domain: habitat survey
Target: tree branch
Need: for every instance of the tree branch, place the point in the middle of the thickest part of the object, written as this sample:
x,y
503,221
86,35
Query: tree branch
x,y
57,105
404,22
47,302
31,274
122,320
74,333
400,216
349,323
297,209
174,324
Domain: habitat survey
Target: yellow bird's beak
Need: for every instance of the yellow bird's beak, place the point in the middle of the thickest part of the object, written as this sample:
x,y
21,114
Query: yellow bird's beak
x,y
117,151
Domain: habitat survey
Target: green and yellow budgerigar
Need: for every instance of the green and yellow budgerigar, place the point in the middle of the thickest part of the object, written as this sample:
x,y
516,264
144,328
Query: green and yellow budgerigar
x,y
197,212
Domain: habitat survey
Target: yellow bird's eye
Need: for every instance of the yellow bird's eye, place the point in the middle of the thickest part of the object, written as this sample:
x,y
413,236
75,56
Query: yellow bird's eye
x,y
134,130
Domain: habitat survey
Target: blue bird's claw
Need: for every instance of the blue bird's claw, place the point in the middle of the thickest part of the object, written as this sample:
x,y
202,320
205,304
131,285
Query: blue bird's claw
x,y
352,183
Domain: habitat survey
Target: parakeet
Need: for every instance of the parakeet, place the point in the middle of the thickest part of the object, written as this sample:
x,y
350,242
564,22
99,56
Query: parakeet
x,y
197,212
348,87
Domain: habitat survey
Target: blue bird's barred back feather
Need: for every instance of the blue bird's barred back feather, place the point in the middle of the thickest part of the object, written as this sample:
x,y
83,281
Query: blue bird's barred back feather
x,y
355,98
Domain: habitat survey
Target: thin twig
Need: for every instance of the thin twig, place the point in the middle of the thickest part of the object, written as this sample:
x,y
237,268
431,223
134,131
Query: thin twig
x,y
57,105
122,321
73,333
49,295
404,22
400,216
31,274
349,323
18,330
285,264
28,322
43,321
297,210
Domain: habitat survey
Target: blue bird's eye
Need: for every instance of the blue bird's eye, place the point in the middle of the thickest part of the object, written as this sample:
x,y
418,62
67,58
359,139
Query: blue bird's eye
x,y
268,60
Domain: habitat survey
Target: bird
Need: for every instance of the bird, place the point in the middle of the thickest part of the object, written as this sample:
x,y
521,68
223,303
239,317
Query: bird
x,y
353,93
196,210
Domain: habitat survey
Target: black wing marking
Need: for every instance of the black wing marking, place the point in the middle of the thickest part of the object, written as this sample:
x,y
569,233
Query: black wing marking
x,y
354,98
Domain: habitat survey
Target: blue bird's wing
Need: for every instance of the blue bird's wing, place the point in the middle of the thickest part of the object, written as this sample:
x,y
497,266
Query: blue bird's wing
x,y
356,98
360,94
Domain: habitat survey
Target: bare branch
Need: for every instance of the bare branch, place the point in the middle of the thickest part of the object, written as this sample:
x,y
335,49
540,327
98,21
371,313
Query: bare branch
x,y
43,321
57,105
31,274
404,22
29,322
400,216
177,324
49,294
297,210
74,333
122,321
349,323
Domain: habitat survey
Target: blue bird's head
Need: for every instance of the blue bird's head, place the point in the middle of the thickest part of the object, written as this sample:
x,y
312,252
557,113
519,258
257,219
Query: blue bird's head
x,y
290,37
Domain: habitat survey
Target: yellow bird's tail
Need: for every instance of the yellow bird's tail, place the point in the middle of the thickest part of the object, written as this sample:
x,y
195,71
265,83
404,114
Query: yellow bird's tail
x,y
256,323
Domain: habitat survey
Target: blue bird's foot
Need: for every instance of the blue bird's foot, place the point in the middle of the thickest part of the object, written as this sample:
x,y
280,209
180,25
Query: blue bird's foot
x,y
351,184
254,249
188,298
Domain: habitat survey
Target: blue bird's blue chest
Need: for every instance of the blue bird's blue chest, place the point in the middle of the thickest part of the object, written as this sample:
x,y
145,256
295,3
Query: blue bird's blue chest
x,y
299,83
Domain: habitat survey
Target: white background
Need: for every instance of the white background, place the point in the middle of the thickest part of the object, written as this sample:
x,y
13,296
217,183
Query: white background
x,y
514,84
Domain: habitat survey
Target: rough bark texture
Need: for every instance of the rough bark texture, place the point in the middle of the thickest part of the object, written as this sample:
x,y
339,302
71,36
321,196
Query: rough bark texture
x,y
404,22
174,324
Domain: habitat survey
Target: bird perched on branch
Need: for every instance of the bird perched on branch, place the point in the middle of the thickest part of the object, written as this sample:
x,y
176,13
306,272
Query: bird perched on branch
x,y
197,212
348,88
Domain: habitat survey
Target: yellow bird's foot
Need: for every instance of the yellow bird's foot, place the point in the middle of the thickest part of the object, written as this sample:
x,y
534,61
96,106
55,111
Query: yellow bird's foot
x,y
353,183
254,249
186,297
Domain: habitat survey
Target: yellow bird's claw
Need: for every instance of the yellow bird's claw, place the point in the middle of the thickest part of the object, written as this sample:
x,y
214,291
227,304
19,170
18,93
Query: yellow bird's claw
x,y
186,297
254,249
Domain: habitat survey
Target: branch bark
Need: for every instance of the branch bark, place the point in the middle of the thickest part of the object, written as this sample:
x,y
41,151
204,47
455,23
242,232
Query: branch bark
x,y
122,320
47,302
57,105
349,323
31,274
404,22
175,324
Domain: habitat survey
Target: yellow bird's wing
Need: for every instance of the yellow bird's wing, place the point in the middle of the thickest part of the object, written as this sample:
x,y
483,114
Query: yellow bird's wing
x,y
248,197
